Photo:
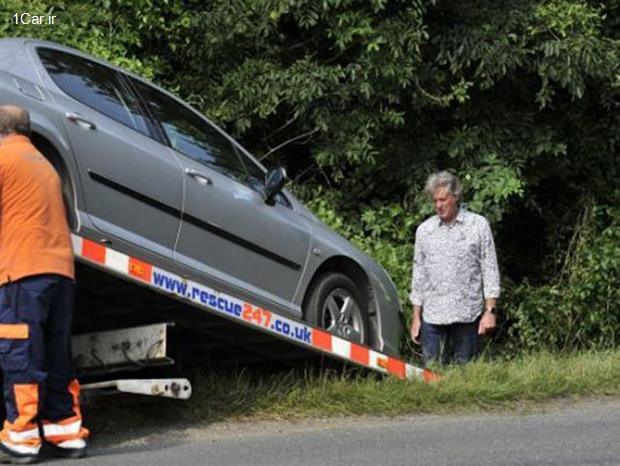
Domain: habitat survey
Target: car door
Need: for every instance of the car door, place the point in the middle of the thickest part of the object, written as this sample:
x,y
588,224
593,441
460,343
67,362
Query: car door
x,y
132,184
227,230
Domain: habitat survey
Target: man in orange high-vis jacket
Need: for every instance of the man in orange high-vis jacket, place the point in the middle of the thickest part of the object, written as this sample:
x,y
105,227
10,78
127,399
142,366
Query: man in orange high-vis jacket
x,y
36,302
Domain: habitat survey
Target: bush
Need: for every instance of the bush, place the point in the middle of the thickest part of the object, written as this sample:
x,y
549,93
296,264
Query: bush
x,y
581,308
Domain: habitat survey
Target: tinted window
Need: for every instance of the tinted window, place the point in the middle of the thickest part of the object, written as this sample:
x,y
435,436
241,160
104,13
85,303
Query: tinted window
x,y
94,85
256,176
195,137
191,135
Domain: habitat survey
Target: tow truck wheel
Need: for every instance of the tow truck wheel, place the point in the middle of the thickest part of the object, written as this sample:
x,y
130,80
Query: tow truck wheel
x,y
337,305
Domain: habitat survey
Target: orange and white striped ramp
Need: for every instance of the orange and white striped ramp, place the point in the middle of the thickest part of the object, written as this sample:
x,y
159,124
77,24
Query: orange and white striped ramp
x,y
242,311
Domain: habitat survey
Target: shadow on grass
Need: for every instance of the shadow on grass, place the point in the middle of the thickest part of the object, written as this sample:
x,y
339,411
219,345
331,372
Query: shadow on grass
x,y
262,393
220,394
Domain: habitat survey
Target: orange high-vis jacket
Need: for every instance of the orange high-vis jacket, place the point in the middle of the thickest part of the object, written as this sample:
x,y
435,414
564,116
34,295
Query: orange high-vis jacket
x,y
34,234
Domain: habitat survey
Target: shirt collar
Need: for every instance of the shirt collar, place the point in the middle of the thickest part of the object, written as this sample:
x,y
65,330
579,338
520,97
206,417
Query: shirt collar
x,y
14,139
460,218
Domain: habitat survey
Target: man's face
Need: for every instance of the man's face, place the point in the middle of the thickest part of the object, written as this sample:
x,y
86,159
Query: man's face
x,y
445,204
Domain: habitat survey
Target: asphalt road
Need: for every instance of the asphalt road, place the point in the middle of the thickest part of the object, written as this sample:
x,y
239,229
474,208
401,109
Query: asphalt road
x,y
587,433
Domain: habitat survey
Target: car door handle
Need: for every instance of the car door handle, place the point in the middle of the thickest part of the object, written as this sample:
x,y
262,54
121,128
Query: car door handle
x,y
80,120
202,179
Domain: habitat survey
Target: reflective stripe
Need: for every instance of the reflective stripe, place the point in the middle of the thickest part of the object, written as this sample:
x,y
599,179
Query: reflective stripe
x,y
93,251
341,347
27,405
22,435
18,437
74,444
430,376
322,340
22,449
360,354
69,429
74,389
14,331
397,367
50,430
140,269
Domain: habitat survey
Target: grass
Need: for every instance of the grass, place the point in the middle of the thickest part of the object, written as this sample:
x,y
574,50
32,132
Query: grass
x,y
482,385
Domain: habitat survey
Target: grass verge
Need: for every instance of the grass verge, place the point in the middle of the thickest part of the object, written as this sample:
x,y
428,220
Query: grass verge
x,y
482,385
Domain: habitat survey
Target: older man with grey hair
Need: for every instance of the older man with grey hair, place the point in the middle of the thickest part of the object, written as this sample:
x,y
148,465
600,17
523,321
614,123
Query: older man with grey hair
x,y
455,283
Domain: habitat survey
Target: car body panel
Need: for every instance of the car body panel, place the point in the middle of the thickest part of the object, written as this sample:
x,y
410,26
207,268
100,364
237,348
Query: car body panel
x,y
228,227
119,166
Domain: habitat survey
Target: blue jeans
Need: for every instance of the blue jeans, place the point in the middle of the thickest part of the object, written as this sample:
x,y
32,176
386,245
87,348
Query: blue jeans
x,y
456,342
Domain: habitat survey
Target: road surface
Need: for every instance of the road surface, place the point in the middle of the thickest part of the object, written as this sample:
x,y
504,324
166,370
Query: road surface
x,y
587,433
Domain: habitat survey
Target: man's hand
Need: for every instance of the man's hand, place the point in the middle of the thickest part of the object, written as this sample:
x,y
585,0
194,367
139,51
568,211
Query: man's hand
x,y
488,322
415,331
416,324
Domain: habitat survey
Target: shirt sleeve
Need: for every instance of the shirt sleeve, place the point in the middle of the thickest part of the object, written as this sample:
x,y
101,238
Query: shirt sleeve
x,y
418,276
488,263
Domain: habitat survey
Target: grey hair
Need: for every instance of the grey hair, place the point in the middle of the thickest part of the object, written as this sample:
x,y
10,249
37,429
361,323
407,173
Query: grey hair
x,y
14,120
445,179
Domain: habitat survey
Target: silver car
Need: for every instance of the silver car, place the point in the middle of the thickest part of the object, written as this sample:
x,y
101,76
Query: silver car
x,y
148,174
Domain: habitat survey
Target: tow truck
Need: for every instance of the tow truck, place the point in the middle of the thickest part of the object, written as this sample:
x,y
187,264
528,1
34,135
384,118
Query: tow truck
x,y
114,287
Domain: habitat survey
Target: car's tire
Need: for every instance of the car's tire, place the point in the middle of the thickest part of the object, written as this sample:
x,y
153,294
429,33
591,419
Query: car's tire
x,y
337,305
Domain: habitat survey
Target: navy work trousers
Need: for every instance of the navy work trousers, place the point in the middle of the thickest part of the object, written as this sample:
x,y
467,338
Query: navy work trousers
x,y
456,342
44,303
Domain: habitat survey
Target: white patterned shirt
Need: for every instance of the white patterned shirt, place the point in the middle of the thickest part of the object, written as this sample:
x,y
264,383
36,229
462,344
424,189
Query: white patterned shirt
x,y
454,268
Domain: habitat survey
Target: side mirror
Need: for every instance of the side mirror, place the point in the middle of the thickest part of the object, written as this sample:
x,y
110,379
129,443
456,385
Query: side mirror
x,y
274,182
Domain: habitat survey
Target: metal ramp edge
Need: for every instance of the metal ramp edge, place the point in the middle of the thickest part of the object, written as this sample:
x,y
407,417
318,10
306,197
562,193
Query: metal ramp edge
x,y
242,311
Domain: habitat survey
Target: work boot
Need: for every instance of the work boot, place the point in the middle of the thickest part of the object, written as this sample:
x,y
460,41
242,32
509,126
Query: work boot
x,y
68,449
9,455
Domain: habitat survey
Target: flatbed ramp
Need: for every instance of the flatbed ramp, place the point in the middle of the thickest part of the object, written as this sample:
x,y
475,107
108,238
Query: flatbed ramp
x,y
241,311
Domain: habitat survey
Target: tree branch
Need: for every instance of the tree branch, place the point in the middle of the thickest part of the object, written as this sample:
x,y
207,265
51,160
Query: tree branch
x,y
277,130
285,143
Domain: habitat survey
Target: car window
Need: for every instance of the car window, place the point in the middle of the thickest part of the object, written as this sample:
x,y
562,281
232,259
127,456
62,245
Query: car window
x,y
94,85
256,177
195,137
192,135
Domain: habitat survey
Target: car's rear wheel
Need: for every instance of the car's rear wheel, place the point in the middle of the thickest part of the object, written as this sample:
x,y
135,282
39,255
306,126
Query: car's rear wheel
x,y
337,305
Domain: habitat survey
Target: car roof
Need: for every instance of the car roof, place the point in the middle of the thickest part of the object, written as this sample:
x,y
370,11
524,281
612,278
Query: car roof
x,y
14,42
10,45
18,43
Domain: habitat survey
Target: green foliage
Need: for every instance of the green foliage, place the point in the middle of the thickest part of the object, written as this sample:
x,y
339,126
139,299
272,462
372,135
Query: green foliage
x,y
94,27
572,47
582,308
118,31
562,19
